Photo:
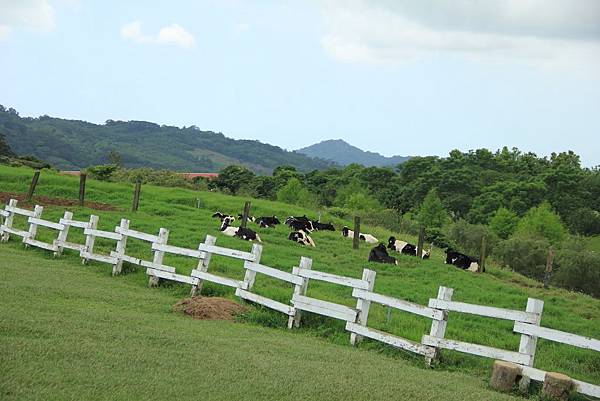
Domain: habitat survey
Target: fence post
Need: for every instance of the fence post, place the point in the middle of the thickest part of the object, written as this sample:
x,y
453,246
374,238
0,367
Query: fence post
x,y
203,266
82,178
363,305
62,235
356,238
549,265
250,275
89,239
245,214
37,213
421,241
120,249
136,196
163,237
528,343
482,254
299,289
438,327
34,181
8,221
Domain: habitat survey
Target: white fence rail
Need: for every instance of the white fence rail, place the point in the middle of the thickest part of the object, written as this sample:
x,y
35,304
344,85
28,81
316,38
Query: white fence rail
x,y
526,323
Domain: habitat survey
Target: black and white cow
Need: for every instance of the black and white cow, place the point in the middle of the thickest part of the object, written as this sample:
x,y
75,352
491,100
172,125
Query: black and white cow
x,y
222,216
266,221
300,223
379,254
463,261
323,226
242,232
250,218
406,248
301,237
368,238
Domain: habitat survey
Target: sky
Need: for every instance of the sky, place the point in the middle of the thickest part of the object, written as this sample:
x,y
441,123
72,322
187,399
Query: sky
x,y
405,77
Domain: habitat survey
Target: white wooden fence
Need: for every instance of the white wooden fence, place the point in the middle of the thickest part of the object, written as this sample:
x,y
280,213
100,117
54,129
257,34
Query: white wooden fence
x,y
526,322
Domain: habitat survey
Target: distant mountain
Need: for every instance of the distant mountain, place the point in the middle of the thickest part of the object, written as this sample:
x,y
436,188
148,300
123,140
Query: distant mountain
x,y
343,153
73,144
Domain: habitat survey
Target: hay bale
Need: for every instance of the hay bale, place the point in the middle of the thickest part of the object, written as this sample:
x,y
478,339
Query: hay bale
x,y
557,387
505,376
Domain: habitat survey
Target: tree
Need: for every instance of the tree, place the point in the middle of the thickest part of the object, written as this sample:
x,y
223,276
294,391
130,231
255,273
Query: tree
x,y
542,222
231,178
115,158
295,193
432,213
504,222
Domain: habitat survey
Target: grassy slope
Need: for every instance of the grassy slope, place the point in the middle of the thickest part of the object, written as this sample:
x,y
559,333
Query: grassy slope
x,y
413,280
73,333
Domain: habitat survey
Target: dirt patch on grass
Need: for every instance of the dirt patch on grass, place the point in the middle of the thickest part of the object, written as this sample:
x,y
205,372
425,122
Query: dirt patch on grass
x,y
209,308
46,200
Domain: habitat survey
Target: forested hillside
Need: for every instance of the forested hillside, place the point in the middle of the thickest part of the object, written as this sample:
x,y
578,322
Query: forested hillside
x,y
72,144
343,153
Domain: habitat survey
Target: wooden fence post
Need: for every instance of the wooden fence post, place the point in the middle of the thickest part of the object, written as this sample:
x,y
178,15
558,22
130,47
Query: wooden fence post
x,y
421,241
245,214
82,178
120,249
528,342
549,266
299,289
136,196
250,275
62,235
482,254
34,182
438,327
363,305
203,266
356,239
163,237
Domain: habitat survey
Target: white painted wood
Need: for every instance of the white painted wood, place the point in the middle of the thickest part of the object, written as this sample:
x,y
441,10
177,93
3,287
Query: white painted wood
x,y
438,326
321,307
74,223
102,234
203,264
399,304
476,349
157,260
37,214
18,211
20,233
45,223
63,234
71,245
389,339
488,311
171,276
269,303
580,386
178,250
90,240
137,234
4,213
333,278
363,305
97,257
558,336
232,253
299,289
218,279
528,343
250,275
120,248
157,266
40,244
8,221
272,272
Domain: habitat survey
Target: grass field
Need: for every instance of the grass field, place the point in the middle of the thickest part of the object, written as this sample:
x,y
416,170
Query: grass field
x,y
413,279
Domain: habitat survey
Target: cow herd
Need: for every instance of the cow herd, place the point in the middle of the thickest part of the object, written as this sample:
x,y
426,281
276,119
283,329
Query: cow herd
x,y
301,227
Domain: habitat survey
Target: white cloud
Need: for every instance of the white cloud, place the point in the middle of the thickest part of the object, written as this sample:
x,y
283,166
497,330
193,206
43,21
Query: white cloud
x,y
35,15
403,30
172,34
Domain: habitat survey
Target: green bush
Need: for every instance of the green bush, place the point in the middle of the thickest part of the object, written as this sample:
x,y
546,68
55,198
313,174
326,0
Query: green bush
x,y
578,270
103,172
295,193
504,222
542,222
147,175
431,212
585,221
524,255
467,237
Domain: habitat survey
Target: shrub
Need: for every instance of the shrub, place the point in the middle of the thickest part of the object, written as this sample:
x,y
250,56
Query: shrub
x,y
578,270
103,172
504,222
524,255
148,175
467,237
432,213
295,193
585,221
542,222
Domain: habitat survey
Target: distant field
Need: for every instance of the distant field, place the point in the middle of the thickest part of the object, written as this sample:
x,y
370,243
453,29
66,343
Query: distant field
x,y
413,280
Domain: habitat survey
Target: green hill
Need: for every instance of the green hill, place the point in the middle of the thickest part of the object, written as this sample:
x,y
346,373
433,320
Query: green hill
x,y
343,153
73,144
60,318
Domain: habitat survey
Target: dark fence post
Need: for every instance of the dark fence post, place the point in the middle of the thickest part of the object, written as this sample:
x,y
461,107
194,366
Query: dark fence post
x,y
34,181
549,263
136,196
356,239
483,253
246,214
421,241
82,178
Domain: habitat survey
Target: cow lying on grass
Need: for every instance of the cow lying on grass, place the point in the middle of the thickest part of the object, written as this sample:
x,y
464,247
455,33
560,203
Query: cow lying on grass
x,y
302,238
241,232
406,248
222,216
368,238
323,226
300,223
250,218
379,254
463,261
267,222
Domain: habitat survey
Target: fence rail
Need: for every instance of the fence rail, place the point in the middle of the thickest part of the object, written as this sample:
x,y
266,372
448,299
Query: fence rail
x,y
526,323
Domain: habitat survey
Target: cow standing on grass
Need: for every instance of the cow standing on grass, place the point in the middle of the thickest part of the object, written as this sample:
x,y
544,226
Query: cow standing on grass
x,y
406,248
241,232
463,261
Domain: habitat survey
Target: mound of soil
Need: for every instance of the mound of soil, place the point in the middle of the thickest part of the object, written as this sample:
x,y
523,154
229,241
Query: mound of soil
x,y
209,308
46,200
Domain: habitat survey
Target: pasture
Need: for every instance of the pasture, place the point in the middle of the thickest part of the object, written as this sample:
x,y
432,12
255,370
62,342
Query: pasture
x,y
30,292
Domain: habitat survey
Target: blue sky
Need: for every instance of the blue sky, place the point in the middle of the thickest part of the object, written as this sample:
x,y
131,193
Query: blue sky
x,y
408,77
